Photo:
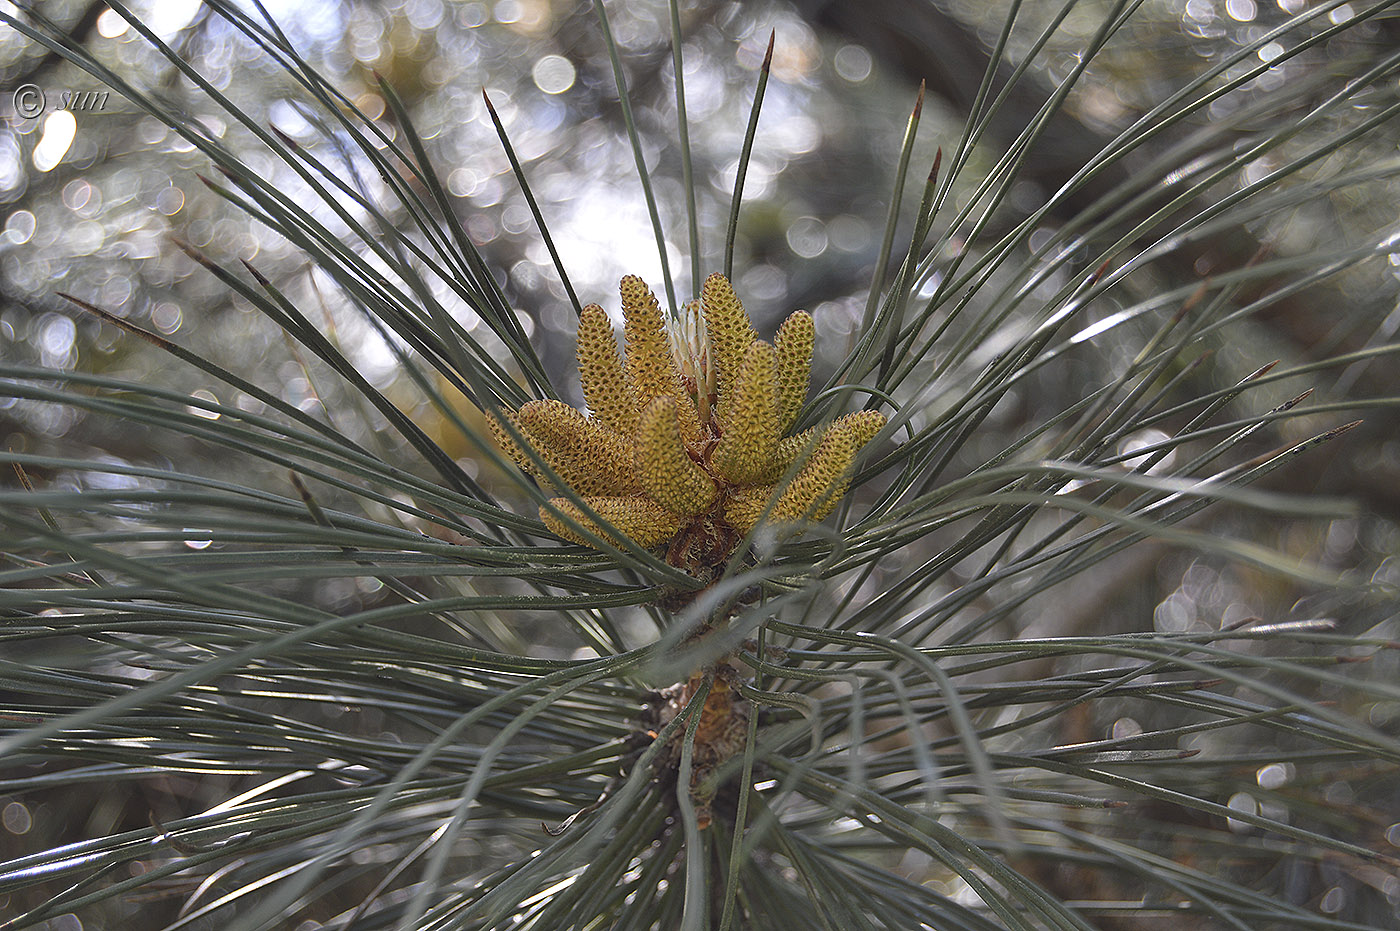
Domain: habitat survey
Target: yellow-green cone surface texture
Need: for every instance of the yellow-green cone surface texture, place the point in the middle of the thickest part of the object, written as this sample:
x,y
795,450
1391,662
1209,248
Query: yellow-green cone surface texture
x,y
605,387
645,522
667,475
794,343
590,458
749,419
729,331
651,368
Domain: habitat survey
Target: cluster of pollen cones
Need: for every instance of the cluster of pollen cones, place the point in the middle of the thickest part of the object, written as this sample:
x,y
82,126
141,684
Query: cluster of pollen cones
x,y
687,439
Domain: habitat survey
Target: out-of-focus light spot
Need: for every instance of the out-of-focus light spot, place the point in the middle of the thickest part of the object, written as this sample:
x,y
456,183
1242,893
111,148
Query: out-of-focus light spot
x,y
546,115
806,236
424,17
288,119
53,419
472,14
59,129
199,411
534,16
516,219
848,233
1039,237
371,105
799,134
113,480
170,200
168,18
166,317
19,228
1256,170
1292,6
56,335
463,182
553,74
1270,51
1245,804
604,227
1200,10
1124,728
762,282
110,24
705,88
12,174
316,20
1341,14
1274,776
116,291
1143,439
758,183
16,818
366,38
84,238
795,56
1341,537
853,63
197,539
250,404
1175,614
77,194
151,131
501,100
295,387
481,229
1242,10
1333,900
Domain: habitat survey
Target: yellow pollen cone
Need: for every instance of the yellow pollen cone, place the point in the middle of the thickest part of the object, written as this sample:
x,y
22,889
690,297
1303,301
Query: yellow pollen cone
x,y
863,425
644,522
667,474
743,508
794,346
605,386
821,482
749,419
590,458
651,369
729,329
505,441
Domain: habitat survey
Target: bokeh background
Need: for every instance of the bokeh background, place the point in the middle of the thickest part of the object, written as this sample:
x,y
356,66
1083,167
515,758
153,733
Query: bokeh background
x,y
93,203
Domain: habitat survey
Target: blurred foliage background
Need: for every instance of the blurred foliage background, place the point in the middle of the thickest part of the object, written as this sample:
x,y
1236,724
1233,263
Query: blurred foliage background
x,y
93,202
